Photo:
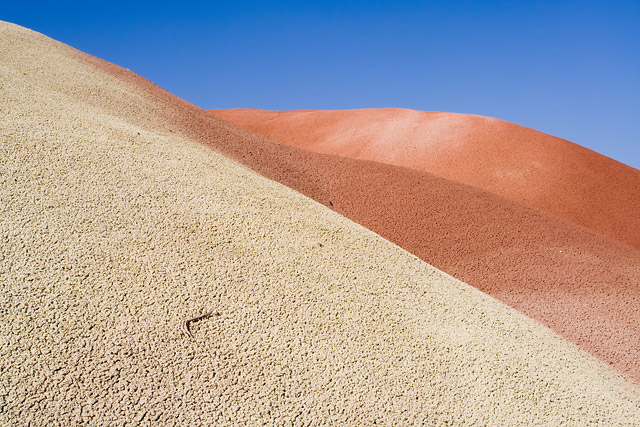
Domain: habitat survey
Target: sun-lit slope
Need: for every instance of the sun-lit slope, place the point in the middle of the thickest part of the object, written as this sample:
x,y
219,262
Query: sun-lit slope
x,y
579,283
116,227
519,163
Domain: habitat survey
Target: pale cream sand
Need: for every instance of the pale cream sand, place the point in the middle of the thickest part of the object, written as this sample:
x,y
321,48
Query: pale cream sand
x,y
116,229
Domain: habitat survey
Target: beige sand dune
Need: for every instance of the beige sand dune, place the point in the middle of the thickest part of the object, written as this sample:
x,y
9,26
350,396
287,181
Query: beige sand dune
x,y
516,162
579,283
583,285
116,227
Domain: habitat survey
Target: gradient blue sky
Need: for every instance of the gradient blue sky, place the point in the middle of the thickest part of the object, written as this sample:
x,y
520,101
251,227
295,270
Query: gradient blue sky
x,y
568,68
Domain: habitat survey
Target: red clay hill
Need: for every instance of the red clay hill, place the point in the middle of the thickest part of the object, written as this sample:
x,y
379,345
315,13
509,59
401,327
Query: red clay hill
x,y
579,283
518,163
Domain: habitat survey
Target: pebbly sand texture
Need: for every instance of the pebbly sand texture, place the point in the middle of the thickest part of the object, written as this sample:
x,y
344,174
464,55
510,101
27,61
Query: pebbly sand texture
x,y
116,226
581,284
575,281
516,162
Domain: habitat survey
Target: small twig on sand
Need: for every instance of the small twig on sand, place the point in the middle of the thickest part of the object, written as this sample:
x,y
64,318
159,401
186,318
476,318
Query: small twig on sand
x,y
185,324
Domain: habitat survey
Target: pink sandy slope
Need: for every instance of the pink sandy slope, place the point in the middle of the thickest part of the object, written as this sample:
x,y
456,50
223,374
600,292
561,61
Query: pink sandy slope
x,y
521,164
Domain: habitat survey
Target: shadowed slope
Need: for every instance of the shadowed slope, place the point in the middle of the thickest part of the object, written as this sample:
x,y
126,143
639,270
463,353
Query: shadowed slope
x,y
116,227
518,163
575,281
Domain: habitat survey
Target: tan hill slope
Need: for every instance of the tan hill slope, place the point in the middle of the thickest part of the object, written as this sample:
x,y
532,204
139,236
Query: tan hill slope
x,y
573,280
516,162
116,226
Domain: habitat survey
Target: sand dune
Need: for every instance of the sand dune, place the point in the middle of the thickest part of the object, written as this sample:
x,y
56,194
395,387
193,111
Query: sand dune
x,y
521,164
573,280
117,225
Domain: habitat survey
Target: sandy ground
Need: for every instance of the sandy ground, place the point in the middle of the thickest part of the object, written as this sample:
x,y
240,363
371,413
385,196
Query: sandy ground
x,y
573,280
518,163
116,227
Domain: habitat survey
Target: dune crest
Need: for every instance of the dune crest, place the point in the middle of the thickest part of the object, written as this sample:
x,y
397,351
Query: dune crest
x,y
515,162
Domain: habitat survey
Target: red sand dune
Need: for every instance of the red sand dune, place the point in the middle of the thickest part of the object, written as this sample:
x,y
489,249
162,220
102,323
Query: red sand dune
x,y
573,280
519,163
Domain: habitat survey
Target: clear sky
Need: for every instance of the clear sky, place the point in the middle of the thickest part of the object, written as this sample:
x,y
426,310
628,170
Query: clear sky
x,y
568,68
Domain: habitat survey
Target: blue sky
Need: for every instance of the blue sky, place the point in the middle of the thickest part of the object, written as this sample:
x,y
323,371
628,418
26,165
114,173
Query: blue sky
x,y
568,68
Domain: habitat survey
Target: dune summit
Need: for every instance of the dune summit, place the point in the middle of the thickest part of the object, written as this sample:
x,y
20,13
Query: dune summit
x,y
117,225
516,162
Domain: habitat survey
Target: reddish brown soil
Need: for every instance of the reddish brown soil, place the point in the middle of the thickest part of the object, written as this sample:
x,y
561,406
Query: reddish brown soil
x,y
521,164
577,282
